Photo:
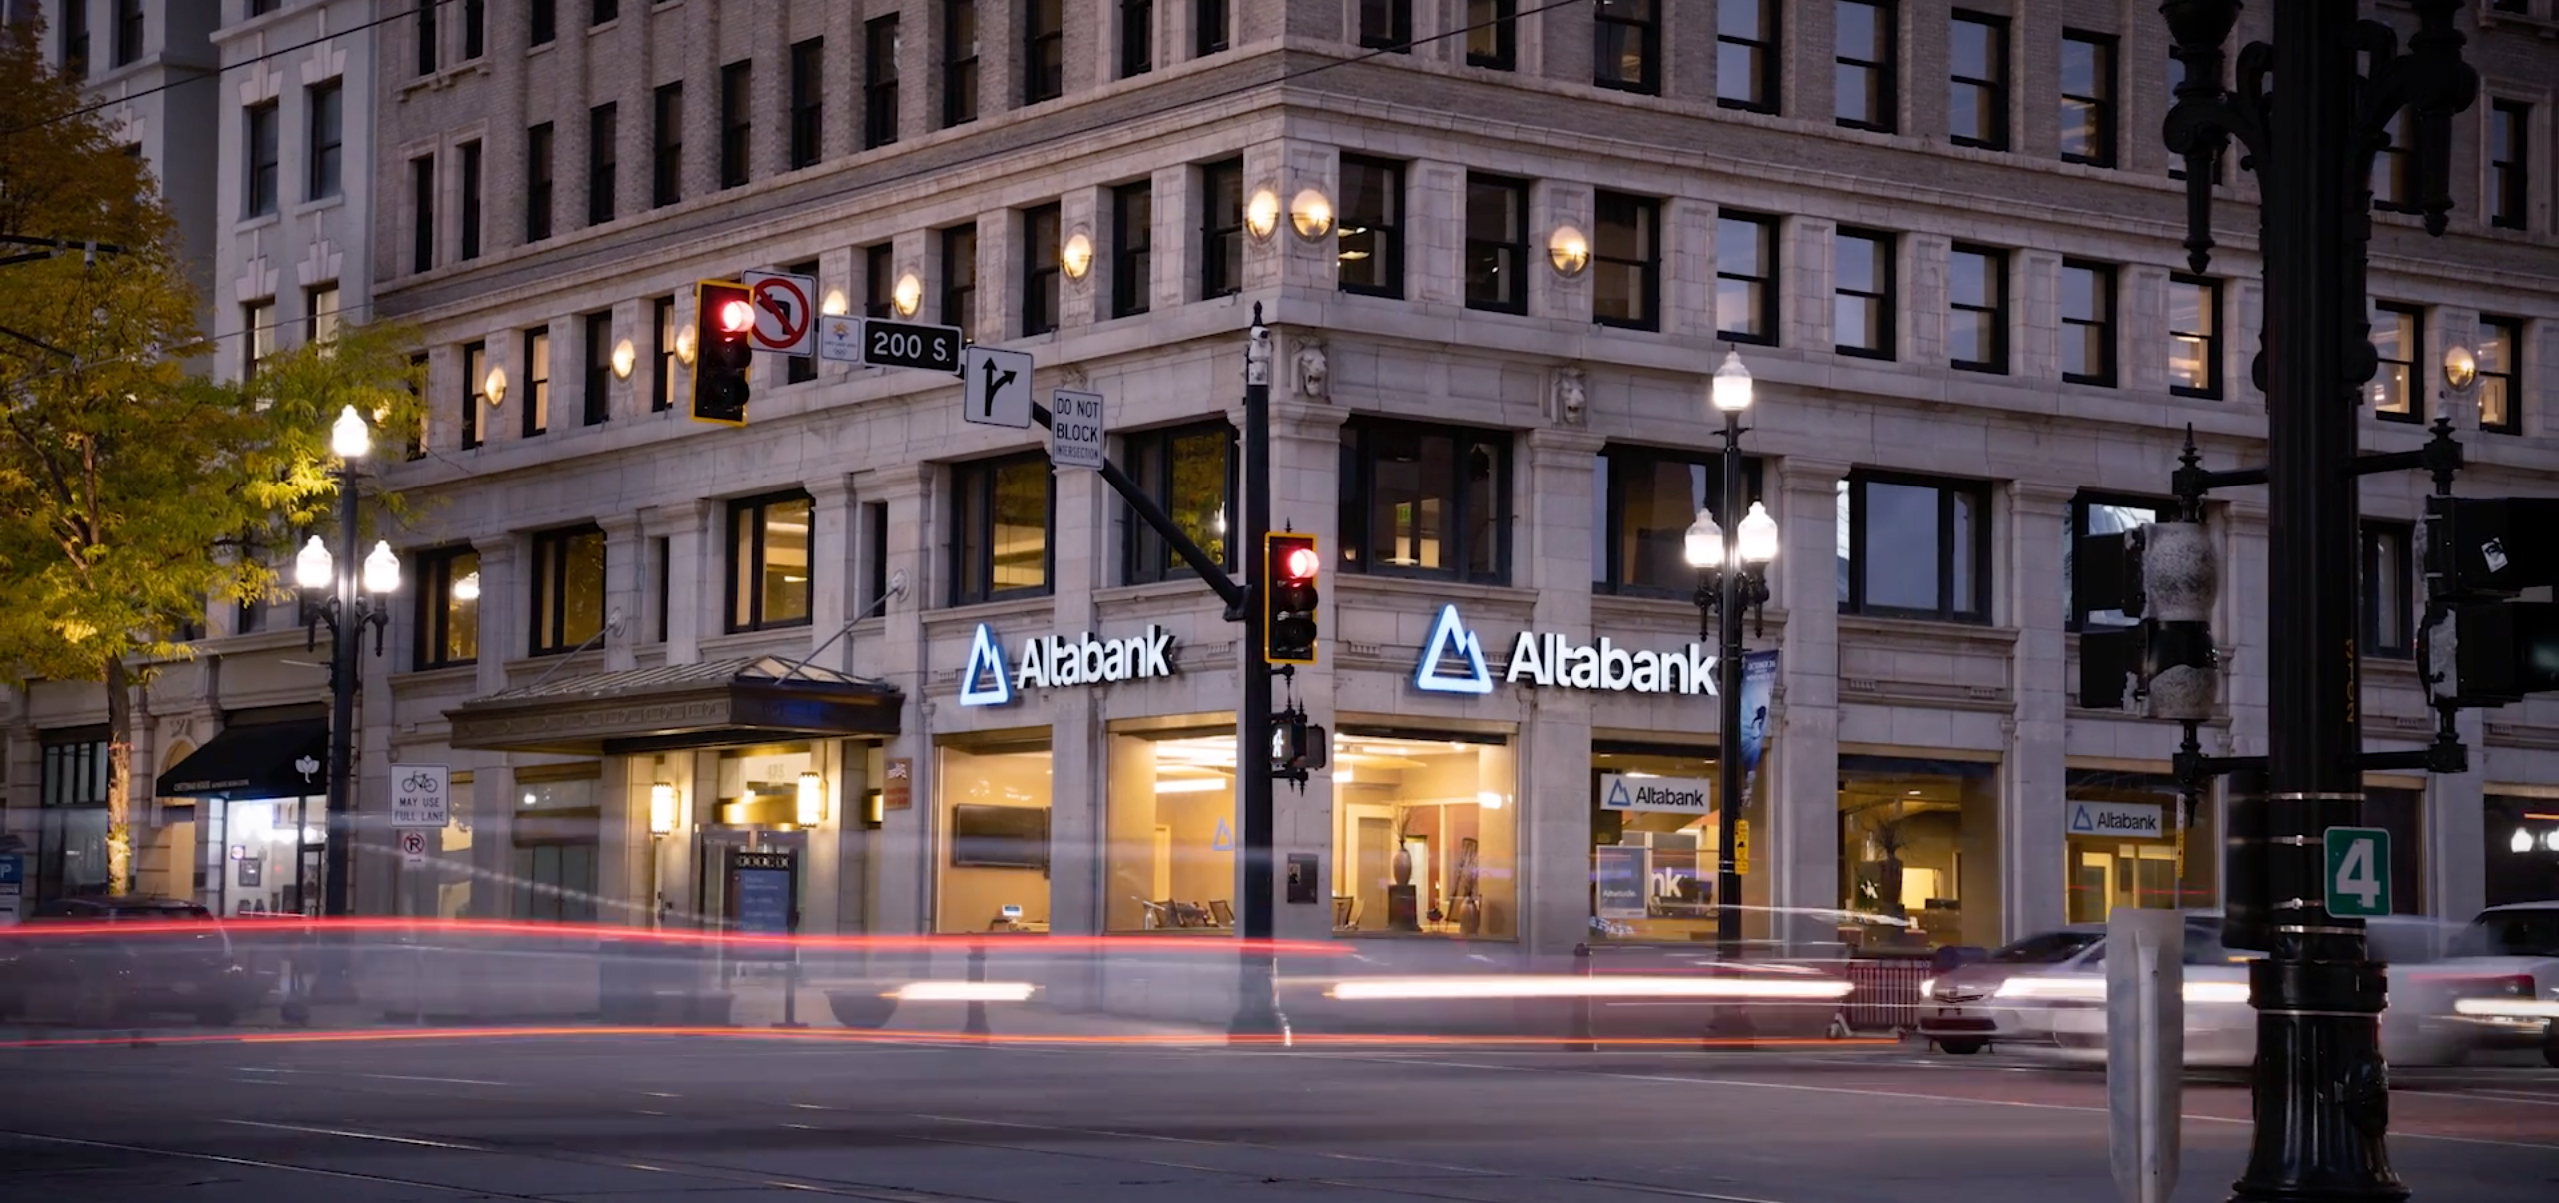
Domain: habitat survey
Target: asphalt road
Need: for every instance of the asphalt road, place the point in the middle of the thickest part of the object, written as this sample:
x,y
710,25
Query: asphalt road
x,y
369,1118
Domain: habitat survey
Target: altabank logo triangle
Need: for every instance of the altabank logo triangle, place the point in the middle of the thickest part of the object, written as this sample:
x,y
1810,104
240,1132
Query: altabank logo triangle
x,y
984,680
1450,639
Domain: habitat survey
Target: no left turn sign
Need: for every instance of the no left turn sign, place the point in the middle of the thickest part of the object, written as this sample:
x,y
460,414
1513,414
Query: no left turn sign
x,y
785,311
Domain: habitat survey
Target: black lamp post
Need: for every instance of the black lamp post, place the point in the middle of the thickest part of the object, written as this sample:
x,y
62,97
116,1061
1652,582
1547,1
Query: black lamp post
x,y
346,612
1732,575
2321,1094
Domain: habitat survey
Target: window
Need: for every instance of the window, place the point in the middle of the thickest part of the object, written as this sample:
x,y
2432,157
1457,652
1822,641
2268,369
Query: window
x,y
737,123
1040,271
1746,278
320,309
2194,336
417,440
1862,294
554,881
2399,339
1369,237
537,183
1425,501
427,35
1977,84
543,16
1137,37
662,349
769,562
1977,309
2087,323
536,406
1863,95
2394,188
879,86
600,11
1626,262
2500,357
1642,502
2087,98
2389,616
599,368
568,588
2099,514
2509,164
470,188
1043,51
1916,547
128,31
1190,472
1386,25
1746,54
959,280
71,848
875,562
1496,243
1132,248
422,209
1222,228
257,336
75,38
1492,34
475,29
667,164
1001,511
879,280
1433,848
800,369
808,102
603,131
328,140
448,630
1626,45
1208,22
959,62
475,371
261,130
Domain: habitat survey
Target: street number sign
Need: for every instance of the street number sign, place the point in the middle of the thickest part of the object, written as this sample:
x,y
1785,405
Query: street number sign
x,y
839,339
1075,430
912,345
2358,872
995,387
785,311
420,796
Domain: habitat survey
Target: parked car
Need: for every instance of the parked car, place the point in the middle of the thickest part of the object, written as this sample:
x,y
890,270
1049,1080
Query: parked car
x,y
2519,944
126,958
1962,1011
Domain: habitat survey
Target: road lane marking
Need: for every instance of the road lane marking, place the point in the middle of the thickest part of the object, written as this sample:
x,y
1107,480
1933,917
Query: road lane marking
x,y
351,1134
284,1167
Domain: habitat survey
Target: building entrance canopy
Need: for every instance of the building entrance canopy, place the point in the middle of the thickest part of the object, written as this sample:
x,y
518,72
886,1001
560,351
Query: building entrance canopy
x,y
253,760
710,704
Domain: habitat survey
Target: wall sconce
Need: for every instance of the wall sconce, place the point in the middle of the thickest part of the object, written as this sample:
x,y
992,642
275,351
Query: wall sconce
x,y
493,387
812,804
1568,250
685,339
625,357
908,296
1261,214
1076,257
2460,368
1311,214
875,809
661,809
835,304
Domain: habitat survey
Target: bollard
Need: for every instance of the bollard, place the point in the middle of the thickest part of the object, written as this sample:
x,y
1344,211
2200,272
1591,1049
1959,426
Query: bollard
x,y
977,1006
791,993
1582,1040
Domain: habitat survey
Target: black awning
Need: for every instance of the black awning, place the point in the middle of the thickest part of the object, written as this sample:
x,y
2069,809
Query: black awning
x,y
261,760
707,704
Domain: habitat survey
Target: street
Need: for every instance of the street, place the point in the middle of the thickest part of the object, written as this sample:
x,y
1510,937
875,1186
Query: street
x,y
383,1115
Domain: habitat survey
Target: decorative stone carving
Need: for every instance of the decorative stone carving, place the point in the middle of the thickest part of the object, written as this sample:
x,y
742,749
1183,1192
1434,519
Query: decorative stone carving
x,y
1572,397
1312,369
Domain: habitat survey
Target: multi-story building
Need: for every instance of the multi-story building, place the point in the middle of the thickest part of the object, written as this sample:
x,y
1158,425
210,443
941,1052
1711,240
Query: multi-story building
x,y
1500,266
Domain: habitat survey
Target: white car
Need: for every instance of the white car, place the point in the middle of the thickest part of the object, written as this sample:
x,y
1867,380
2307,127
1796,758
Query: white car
x,y
1964,1009
2420,1025
2518,946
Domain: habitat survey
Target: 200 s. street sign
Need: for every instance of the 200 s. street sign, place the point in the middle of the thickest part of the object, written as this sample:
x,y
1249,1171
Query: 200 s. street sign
x,y
911,345
2358,873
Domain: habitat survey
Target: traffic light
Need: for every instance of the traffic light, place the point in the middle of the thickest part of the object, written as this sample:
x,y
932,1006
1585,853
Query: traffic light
x,y
2165,574
2480,648
723,351
1289,564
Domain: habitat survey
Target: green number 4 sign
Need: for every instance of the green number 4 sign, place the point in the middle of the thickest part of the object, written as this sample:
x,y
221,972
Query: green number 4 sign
x,y
2358,872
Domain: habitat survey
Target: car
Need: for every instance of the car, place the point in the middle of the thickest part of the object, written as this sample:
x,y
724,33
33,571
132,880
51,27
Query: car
x,y
2518,944
118,959
1961,1010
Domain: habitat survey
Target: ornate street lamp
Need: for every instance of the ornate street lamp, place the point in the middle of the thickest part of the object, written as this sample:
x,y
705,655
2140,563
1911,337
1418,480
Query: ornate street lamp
x,y
358,598
1732,576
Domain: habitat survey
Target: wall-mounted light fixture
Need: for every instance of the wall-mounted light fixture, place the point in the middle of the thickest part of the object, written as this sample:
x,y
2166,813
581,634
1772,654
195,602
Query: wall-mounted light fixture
x,y
493,387
836,303
908,296
1261,214
685,340
1076,257
812,801
661,809
625,357
1311,214
1568,250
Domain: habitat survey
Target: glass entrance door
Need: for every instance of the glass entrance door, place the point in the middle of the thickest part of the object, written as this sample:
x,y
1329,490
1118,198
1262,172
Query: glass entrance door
x,y
2104,876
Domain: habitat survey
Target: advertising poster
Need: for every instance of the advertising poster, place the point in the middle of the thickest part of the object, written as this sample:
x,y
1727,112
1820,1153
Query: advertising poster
x,y
1759,688
1619,872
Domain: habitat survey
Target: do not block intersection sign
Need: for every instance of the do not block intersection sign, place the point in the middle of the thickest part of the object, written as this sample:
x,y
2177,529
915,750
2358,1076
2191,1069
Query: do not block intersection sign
x,y
1075,430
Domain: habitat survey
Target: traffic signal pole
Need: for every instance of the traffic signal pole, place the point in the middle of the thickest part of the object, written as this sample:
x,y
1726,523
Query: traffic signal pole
x,y
1257,1013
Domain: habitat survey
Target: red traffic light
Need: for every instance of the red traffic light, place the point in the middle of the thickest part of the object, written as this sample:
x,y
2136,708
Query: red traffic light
x,y
735,316
1299,563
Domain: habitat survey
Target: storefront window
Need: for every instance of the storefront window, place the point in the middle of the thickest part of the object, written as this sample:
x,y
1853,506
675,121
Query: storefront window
x,y
260,872
1425,837
554,830
2522,849
1656,829
1172,833
1919,852
2120,830
994,820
